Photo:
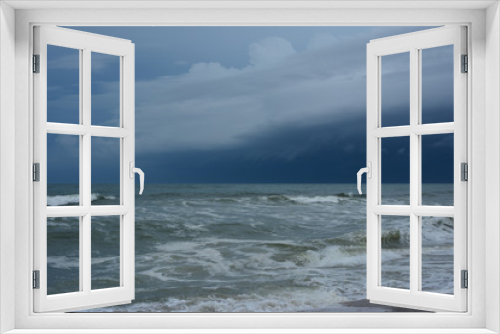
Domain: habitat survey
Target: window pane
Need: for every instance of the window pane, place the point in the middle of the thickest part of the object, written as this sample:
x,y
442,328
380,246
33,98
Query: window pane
x,y
105,252
105,171
437,84
105,89
395,89
63,170
395,173
63,85
437,169
437,254
63,255
395,252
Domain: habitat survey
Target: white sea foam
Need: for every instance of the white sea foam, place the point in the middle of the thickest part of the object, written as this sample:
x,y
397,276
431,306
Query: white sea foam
x,y
195,227
63,262
274,248
104,259
62,199
437,231
210,214
232,258
155,273
333,256
59,200
314,199
283,300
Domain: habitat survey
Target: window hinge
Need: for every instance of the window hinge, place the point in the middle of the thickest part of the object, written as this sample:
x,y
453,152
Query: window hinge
x,y
36,63
36,279
464,170
465,63
465,279
36,172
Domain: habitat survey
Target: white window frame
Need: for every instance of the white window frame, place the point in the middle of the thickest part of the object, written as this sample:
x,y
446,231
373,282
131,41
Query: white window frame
x,y
86,44
483,21
414,44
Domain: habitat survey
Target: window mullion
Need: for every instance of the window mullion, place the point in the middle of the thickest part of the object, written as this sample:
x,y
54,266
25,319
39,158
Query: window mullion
x,y
415,170
85,167
81,241
85,152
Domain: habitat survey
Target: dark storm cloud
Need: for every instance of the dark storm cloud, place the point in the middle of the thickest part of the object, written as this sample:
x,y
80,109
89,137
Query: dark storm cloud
x,y
213,107
309,153
263,104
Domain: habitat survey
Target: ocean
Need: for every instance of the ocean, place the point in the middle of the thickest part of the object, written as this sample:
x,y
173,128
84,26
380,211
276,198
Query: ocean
x,y
250,247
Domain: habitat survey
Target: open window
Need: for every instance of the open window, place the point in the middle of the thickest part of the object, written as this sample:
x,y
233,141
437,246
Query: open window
x,y
17,211
75,231
87,136
408,211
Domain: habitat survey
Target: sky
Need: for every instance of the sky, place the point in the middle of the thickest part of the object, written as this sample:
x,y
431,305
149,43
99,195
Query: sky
x,y
250,105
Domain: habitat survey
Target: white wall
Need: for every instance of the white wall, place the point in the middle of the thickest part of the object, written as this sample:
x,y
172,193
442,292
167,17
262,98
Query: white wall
x,y
492,166
489,186
7,166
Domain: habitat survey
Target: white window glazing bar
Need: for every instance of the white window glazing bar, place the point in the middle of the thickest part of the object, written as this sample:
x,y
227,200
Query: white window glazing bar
x,y
82,232
96,210
80,130
421,210
415,169
85,167
421,129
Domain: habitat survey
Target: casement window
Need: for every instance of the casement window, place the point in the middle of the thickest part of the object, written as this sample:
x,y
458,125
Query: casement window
x,y
80,218
474,129
409,292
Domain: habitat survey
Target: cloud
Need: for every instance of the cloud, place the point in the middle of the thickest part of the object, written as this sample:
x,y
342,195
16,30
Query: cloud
x,y
65,62
60,58
213,106
322,40
270,50
288,110
402,151
439,142
182,63
291,153
208,71
101,61
217,107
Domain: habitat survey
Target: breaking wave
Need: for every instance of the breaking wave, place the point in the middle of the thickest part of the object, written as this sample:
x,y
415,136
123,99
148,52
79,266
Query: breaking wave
x,y
249,248
60,200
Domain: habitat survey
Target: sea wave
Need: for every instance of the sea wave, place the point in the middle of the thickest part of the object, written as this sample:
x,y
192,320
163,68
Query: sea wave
x,y
299,199
350,195
333,256
314,199
253,248
59,200
395,238
248,198
63,262
280,300
437,231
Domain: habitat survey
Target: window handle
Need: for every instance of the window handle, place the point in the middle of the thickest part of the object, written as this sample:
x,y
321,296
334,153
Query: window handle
x,y
368,171
141,175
